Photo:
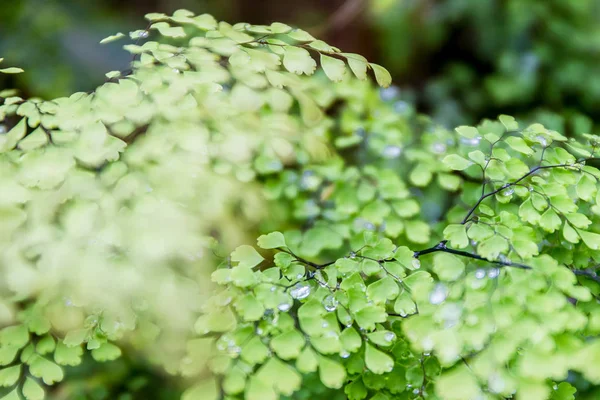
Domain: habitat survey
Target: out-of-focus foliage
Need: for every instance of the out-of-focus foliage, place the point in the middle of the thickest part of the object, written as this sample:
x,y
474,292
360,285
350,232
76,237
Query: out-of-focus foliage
x,y
470,59
112,200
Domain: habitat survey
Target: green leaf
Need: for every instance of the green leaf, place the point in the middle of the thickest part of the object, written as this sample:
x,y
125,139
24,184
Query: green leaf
x,y
509,122
456,162
14,336
383,77
288,345
249,308
205,390
10,375
564,391
70,356
8,354
255,352
591,239
457,384
447,266
13,395
246,256
11,70
457,235
351,340
106,352
331,373
334,69
307,362
358,64
259,390
76,337
273,240
282,377
383,290
298,61
492,247
377,361
32,390
518,144
369,316
356,390
112,38
468,132
45,369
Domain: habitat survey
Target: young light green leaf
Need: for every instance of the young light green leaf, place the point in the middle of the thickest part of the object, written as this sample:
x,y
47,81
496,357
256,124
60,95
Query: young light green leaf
x,y
334,68
456,162
377,361
273,240
11,70
112,38
246,256
298,61
383,77
32,390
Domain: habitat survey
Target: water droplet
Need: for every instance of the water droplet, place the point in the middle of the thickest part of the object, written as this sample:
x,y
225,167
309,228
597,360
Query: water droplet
x,y
300,291
389,336
416,391
438,294
2,129
390,151
330,303
427,354
439,148
299,276
480,273
325,324
508,191
494,272
68,302
176,71
416,263
284,307
555,387
140,34
344,354
542,140
352,254
470,142
273,288
259,331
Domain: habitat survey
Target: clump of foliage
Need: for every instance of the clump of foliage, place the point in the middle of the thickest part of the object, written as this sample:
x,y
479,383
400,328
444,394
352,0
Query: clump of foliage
x,y
396,259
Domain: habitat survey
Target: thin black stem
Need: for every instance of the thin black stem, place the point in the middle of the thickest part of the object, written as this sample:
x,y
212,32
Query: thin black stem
x,y
441,247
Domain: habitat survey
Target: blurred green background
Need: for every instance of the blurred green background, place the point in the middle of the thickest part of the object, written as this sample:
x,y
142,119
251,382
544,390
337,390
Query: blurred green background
x,y
458,60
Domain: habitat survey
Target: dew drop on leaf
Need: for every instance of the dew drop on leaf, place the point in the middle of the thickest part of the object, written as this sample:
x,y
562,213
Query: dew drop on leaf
x,y
330,303
389,336
470,141
494,272
300,291
438,294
